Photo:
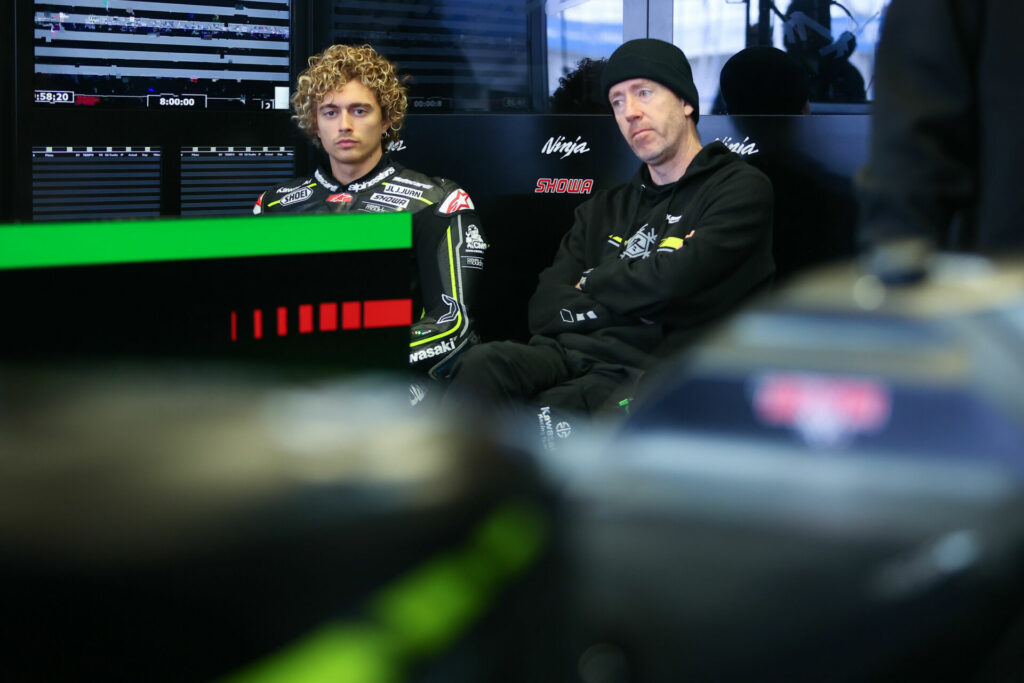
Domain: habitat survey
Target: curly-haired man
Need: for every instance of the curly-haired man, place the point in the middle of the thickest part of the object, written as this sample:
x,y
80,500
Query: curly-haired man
x,y
350,102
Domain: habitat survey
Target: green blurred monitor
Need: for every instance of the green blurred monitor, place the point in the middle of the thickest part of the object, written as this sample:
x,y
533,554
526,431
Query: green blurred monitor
x,y
321,289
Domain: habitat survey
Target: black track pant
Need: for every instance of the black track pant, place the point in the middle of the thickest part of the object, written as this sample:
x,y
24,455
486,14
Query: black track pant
x,y
509,374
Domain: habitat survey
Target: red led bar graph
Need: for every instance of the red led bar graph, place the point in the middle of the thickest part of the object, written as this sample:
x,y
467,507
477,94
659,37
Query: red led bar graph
x,y
351,315
305,318
387,313
282,321
328,317
355,315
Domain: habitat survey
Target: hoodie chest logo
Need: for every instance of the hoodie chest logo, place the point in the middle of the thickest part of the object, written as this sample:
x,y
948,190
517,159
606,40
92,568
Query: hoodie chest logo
x,y
639,245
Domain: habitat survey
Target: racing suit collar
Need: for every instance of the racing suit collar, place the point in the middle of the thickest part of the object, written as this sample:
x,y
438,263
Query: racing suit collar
x,y
384,169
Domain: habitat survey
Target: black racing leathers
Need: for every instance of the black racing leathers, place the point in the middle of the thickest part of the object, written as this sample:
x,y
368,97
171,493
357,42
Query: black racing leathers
x,y
447,240
657,263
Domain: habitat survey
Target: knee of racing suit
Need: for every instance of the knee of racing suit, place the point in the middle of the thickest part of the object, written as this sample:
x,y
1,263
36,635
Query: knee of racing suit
x,y
433,348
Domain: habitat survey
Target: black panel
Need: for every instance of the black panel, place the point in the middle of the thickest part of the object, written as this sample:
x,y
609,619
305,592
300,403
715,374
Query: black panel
x,y
227,180
811,161
500,159
85,183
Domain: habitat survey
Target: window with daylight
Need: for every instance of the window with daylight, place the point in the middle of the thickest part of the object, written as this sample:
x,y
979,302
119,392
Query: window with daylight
x,y
580,36
540,56
834,41
709,32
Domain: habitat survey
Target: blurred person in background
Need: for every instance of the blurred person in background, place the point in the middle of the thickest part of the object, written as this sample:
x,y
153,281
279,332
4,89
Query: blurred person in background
x,y
947,148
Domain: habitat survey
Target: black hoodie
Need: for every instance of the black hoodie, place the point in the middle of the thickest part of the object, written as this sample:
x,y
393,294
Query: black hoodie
x,y
659,262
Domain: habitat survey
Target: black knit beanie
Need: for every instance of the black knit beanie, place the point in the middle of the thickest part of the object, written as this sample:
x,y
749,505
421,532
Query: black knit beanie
x,y
654,59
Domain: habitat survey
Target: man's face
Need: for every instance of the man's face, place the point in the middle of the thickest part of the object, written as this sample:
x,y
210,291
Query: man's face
x,y
651,118
350,124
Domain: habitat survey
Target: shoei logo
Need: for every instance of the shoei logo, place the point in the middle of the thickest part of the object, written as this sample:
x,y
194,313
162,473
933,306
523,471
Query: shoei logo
x,y
564,186
825,410
565,147
746,148
299,195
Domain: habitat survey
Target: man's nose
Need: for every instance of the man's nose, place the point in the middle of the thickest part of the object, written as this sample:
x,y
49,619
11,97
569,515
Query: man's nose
x,y
629,108
344,120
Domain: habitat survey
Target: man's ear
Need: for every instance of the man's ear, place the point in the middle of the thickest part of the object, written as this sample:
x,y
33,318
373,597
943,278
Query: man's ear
x,y
687,109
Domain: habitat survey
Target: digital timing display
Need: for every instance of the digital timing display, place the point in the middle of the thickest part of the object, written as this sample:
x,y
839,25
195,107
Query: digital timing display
x,y
217,54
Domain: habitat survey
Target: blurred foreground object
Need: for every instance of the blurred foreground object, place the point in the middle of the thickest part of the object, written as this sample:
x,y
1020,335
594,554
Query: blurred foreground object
x,y
946,162
187,523
829,487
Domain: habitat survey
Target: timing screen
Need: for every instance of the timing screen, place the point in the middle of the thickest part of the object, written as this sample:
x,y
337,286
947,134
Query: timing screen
x,y
219,54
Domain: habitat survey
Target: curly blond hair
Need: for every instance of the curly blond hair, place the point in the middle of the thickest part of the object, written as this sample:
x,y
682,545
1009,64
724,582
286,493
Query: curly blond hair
x,y
336,66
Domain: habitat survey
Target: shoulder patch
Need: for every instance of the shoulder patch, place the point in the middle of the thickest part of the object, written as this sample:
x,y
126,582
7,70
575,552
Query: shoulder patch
x,y
456,201
474,240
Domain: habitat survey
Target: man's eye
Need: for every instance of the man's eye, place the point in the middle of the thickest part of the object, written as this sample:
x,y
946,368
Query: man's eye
x,y
359,111
616,103
645,92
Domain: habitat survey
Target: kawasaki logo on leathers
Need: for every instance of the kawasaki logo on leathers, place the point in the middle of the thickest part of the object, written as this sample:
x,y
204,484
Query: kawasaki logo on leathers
x,y
436,350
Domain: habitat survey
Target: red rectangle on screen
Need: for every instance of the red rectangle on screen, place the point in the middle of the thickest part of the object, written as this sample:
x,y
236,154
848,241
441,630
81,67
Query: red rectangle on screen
x,y
387,313
328,317
234,326
351,315
282,321
257,324
305,318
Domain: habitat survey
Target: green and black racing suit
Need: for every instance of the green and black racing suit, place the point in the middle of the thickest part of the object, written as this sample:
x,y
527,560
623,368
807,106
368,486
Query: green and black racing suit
x,y
447,239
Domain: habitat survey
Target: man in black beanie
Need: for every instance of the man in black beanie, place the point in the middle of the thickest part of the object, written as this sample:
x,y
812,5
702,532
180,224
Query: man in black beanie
x,y
646,266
